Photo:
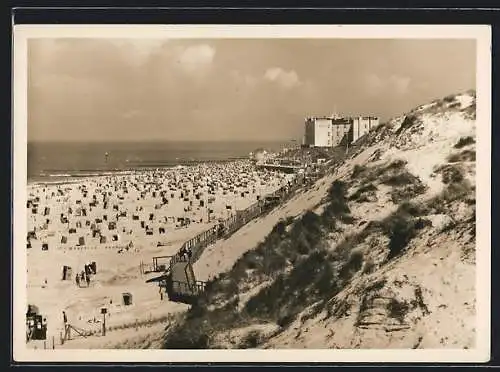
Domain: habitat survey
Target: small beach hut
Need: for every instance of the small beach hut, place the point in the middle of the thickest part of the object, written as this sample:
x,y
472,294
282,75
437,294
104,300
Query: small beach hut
x,y
127,298
81,240
67,272
32,310
102,240
64,239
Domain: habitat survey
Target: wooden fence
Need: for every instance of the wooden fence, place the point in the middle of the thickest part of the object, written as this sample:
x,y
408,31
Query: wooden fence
x,y
225,229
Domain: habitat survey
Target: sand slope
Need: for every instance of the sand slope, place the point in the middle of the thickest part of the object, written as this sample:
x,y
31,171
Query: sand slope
x,y
422,297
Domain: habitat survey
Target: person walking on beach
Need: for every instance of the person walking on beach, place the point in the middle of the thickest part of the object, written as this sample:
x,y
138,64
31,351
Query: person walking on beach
x,y
77,279
65,321
66,326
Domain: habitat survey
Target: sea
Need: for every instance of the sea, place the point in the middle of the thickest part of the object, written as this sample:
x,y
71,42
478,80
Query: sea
x,y
60,161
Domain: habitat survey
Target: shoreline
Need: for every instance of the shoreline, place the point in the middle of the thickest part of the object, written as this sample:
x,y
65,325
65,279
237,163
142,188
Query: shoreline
x,y
62,177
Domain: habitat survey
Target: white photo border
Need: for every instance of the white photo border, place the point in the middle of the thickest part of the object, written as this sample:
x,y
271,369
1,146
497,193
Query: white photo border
x,y
482,35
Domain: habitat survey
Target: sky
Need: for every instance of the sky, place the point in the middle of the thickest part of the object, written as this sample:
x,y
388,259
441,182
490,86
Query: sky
x,y
230,89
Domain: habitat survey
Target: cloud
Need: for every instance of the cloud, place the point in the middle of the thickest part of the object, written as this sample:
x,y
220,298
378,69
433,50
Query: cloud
x,y
374,83
287,79
394,83
196,58
243,79
139,50
400,83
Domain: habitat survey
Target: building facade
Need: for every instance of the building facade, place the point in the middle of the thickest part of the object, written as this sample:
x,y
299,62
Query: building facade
x,y
333,131
361,125
318,132
340,130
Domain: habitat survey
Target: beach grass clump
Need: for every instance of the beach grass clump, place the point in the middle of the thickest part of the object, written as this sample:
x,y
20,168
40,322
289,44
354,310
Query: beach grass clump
x,y
449,99
405,185
304,236
403,225
400,177
377,174
451,174
470,111
408,122
352,265
266,258
369,266
454,105
397,309
337,207
400,230
408,192
463,156
357,171
365,193
459,191
311,279
198,332
251,340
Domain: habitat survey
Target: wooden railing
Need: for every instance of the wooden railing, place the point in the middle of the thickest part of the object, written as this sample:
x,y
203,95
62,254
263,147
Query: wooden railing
x,y
187,289
225,229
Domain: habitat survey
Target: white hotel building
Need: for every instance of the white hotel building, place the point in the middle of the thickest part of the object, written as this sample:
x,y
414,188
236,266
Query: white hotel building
x,y
331,131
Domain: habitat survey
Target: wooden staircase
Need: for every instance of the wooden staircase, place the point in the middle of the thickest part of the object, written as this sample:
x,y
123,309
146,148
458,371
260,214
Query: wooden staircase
x,y
178,276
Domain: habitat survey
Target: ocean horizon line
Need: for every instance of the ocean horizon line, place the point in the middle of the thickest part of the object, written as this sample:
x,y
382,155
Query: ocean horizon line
x,y
161,141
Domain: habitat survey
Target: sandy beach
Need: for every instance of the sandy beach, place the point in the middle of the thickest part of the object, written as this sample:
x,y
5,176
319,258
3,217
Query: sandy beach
x,y
117,222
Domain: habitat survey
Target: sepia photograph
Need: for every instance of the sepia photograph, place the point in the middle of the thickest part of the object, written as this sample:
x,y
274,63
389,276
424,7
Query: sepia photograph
x,y
251,193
